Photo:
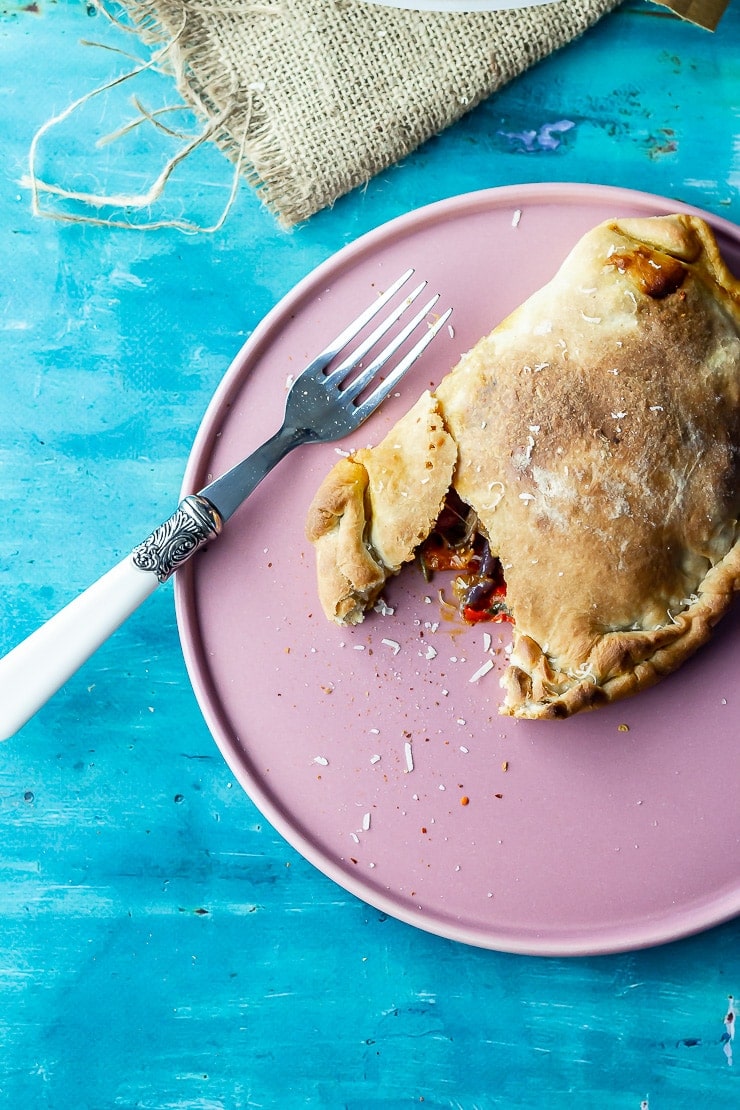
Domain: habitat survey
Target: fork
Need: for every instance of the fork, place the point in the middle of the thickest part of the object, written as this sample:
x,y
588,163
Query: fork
x,y
325,403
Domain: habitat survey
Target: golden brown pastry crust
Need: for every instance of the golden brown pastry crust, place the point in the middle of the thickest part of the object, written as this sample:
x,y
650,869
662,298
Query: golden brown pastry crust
x,y
373,509
597,432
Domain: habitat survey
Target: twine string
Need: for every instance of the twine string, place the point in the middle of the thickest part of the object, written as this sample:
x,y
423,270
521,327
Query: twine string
x,y
132,201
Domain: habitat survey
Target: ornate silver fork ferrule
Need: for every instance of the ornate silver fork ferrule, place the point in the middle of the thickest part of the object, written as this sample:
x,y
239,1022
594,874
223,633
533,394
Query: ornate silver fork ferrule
x,y
194,523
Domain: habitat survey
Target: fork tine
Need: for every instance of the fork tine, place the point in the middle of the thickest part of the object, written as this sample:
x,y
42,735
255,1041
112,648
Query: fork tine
x,y
331,351
356,356
379,394
364,378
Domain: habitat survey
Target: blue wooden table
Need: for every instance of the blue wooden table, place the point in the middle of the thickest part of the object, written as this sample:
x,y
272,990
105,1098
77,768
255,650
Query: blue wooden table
x,y
161,945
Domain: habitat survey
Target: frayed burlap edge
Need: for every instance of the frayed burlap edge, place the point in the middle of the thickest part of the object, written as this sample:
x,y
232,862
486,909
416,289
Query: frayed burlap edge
x,y
318,96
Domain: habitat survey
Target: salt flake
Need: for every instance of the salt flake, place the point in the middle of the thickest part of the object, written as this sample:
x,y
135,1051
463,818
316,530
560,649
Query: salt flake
x,y
482,670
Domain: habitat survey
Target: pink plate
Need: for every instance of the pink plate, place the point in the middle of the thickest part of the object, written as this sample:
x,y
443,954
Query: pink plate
x,y
372,750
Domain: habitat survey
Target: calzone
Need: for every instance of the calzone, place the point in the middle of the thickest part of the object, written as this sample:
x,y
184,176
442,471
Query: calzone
x,y
588,447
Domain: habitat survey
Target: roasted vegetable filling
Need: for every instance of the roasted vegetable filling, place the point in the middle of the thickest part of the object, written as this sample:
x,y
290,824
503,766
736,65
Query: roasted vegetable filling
x,y
456,544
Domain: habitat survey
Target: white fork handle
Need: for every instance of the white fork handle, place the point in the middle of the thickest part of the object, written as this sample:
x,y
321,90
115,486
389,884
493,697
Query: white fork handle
x,y
34,670
37,667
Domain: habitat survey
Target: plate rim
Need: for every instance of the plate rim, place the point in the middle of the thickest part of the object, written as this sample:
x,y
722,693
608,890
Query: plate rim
x,y
665,928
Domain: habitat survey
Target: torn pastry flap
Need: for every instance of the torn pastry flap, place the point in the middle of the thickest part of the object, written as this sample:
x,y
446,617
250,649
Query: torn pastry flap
x,y
374,508
589,447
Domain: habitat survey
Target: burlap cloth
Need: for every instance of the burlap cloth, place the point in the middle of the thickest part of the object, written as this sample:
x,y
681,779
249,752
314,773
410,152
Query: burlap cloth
x,y
314,97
